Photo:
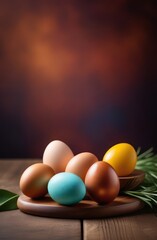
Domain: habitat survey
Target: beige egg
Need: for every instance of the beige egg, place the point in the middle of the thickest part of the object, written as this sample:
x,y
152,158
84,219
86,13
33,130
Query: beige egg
x,y
57,155
34,180
80,164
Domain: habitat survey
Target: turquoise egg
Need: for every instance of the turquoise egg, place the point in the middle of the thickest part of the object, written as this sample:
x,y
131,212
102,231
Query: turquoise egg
x,y
66,188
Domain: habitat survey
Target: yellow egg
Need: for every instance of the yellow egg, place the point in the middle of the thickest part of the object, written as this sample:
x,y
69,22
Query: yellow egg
x,y
122,157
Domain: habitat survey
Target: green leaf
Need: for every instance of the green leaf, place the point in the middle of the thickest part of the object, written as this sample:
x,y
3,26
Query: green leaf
x,y
8,200
147,191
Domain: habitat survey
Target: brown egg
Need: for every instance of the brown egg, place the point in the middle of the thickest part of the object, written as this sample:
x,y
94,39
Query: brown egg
x,y
80,164
102,183
34,180
57,155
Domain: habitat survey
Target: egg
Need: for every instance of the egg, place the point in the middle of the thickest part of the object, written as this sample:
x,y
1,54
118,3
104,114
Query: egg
x,y
34,180
57,154
122,157
102,183
80,164
66,188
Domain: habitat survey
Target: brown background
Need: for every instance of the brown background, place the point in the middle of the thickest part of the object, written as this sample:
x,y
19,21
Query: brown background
x,y
83,72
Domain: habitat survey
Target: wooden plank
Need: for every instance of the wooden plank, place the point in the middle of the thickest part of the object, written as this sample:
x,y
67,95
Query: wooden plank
x,y
10,173
140,226
17,225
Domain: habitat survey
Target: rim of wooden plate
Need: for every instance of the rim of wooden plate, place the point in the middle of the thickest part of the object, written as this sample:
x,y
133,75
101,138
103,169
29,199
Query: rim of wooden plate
x,y
132,181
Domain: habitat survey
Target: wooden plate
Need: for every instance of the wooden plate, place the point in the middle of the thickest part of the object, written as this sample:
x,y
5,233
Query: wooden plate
x,y
132,181
86,209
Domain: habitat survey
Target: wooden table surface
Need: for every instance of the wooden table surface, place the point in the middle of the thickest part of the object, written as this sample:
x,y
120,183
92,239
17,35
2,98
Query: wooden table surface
x,y
20,226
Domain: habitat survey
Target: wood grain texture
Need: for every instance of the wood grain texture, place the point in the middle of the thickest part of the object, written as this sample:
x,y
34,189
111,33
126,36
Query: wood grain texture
x,y
10,172
16,225
140,226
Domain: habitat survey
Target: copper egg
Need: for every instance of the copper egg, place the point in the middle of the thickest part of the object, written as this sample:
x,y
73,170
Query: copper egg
x,y
102,183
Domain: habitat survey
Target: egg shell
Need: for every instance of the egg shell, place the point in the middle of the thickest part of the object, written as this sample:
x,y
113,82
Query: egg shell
x,y
80,164
34,180
57,154
122,157
102,183
66,188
